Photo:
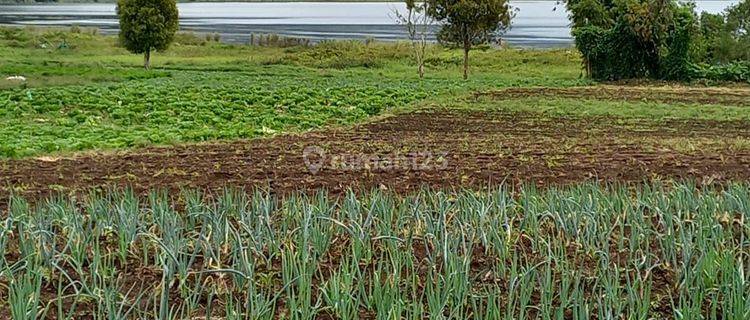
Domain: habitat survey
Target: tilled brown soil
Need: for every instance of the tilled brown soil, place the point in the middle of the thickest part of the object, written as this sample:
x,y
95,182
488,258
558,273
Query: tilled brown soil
x,y
438,148
739,96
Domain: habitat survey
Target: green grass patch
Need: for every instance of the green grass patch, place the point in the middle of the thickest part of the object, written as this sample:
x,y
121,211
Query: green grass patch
x,y
645,111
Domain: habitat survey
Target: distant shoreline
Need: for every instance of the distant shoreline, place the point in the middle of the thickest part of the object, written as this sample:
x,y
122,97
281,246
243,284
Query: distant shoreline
x,y
238,1
537,25
13,2
217,1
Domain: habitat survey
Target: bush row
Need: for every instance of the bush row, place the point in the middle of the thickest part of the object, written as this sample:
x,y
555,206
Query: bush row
x,y
660,39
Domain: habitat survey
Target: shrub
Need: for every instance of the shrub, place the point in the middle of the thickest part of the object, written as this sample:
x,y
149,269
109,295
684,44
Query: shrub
x,y
15,35
735,71
639,39
345,54
676,63
613,54
188,39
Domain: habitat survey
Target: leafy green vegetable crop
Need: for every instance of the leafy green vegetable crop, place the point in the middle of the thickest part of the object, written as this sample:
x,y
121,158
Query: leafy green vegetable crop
x,y
190,106
92,94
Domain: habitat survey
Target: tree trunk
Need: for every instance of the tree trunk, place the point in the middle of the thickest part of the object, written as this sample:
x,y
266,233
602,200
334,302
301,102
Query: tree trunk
x,y
147,59
421,51
587,67
467,47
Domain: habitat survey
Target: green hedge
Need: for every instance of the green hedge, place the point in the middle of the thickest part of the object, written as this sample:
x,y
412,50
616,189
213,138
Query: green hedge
x,y
666,41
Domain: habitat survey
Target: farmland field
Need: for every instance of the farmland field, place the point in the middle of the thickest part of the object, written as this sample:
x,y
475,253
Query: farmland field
x,y
330,182
572,253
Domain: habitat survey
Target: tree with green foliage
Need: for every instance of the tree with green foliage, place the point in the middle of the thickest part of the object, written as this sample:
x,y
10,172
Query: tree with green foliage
x,y
738,19
726,36
589,13
466,23
635,38
738,24
147,25
713,36
661,39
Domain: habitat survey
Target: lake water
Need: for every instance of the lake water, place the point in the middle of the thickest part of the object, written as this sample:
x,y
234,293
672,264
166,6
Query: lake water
x,y
537,24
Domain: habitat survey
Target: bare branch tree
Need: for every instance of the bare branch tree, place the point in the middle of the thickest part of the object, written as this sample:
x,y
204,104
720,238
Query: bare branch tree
x,y
417,23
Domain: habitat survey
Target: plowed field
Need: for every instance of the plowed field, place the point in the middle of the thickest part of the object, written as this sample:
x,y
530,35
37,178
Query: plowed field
x,y
435,146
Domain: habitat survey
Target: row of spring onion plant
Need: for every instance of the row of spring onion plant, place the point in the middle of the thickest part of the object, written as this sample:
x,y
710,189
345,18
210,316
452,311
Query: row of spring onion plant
x,y
590,251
